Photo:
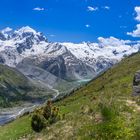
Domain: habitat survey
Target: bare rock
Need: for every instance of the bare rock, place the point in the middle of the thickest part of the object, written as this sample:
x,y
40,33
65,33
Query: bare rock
x,y
136,83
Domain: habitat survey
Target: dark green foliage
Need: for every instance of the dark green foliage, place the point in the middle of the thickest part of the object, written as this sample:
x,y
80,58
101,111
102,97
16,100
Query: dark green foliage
x,y
37,122
107,112
47,110
54,115
49,114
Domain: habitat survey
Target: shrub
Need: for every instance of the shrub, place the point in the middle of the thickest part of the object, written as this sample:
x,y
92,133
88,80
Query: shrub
x,y
51,113
37,122
54,115
47,110
107,112
46,115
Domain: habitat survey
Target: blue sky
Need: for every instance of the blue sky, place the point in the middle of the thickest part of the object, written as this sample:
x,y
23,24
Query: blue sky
x,y
72,20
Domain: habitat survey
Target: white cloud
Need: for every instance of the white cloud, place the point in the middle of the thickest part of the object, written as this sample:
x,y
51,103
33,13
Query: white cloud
x,y
112,41
136,32
91,9
87,25
137,9
117,47
38,9
106,7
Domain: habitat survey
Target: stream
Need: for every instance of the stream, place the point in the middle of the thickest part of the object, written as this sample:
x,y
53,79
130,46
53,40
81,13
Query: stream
x,y
7,116
10,114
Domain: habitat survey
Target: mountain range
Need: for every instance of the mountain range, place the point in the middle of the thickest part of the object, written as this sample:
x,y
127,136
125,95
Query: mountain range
x,y
28,50
52,67
33,70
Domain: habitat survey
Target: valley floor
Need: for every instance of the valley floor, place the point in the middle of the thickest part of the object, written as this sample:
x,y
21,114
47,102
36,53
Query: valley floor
x,y
104,109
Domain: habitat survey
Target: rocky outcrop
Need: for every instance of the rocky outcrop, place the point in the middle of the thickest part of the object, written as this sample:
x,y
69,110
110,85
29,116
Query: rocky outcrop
x,y
136,83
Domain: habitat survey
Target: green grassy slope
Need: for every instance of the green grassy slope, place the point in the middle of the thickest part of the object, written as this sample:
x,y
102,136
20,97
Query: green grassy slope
x,y
15,88
13,85
102,110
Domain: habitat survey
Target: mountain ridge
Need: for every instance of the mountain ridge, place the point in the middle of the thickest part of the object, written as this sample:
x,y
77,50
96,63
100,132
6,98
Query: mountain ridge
x,y
94,58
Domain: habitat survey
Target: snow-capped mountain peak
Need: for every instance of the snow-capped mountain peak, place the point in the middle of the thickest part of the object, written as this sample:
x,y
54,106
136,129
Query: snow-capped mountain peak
x,y
26,37
25,29
6,30
5,33
75,60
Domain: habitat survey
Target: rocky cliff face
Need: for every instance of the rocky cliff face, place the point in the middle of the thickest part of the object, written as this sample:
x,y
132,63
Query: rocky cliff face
x,y
136,83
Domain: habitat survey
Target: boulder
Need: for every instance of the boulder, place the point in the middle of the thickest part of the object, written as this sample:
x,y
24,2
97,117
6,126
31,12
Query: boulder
x,y
136,83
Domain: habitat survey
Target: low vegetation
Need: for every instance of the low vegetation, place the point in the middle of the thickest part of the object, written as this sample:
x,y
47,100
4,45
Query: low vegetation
x,y
97,111
45,116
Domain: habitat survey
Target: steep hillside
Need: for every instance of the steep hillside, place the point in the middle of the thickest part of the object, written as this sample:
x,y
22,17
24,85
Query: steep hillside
x,y
15,88
104,109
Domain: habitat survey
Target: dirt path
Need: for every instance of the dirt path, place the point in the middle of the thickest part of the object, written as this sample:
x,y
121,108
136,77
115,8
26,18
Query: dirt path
x,y
133,104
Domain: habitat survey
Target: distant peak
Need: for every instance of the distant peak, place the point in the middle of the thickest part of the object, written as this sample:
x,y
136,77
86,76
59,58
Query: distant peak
x,y
26,29
6,30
